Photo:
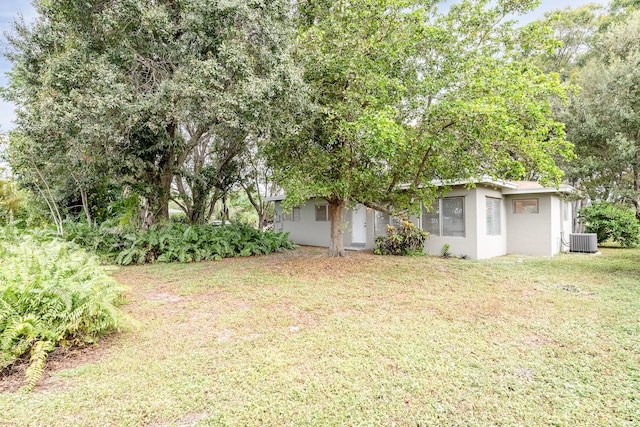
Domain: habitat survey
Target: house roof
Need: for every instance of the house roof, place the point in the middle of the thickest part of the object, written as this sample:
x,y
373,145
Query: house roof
x,y
511,187
532,187
485,180
507,187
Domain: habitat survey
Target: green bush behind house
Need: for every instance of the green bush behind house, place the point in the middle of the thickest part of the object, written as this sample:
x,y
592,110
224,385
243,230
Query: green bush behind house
x,y
611,222
52,294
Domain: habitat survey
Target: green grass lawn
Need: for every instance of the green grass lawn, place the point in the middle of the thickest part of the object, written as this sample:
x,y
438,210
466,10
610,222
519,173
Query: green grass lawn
x,y
298,339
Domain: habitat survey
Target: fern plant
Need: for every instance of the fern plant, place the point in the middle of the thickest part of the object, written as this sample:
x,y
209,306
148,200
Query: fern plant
x,y
52,294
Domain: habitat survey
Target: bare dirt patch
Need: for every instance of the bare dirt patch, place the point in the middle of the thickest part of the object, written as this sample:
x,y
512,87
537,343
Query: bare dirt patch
x,y
12,378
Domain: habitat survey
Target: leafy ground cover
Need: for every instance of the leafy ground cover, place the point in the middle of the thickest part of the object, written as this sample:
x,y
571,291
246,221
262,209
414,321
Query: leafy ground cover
x,y
176,242
300,339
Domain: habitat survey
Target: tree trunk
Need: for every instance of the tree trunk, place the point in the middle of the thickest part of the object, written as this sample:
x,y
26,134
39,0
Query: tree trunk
x,y
85,206
258,205
161,208
578,226
85,201
636,184
262,220
197,215
167,170
198,212
336,215
146,215
160,180
225,209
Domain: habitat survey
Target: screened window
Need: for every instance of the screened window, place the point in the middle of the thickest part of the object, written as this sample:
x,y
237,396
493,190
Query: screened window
x,y
293,215
322,212
431,218
525,206
445,218
494,207
452,209
381,222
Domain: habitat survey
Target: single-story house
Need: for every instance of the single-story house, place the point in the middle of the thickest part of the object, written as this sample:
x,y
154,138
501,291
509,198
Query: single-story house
x,y
490,219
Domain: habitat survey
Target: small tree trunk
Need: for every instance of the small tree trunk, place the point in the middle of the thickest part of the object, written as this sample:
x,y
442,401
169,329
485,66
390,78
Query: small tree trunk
x,y
258,204
85,201
85,206
336,215
51,201
262,215
198,212
224,212
578,226
146,215
212,206
161,212
160,204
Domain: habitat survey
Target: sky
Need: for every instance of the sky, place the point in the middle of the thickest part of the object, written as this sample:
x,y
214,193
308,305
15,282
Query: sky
x,y
10,9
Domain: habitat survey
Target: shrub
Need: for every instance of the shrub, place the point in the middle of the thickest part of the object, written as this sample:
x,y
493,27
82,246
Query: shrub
x,y
611,222
445,252
404,239
51,294
177,242
180,217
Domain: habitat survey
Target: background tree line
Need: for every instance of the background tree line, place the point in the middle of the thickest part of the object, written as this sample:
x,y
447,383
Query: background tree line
x,y
599,61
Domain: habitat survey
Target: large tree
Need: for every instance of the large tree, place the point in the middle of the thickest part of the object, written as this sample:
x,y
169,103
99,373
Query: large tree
x,y
208,171
114,83
404,95
603,118
576,31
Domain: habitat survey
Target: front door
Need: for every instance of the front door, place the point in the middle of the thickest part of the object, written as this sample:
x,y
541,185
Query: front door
x,y
359,224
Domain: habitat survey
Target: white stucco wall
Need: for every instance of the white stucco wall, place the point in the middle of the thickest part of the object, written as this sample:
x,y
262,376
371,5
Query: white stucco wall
x,y
531,233
567,224
459,245
476,244
308,231
495,245
562,224
539,234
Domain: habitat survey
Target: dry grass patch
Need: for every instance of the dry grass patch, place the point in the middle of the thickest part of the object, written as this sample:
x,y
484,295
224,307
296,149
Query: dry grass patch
x,y
301,339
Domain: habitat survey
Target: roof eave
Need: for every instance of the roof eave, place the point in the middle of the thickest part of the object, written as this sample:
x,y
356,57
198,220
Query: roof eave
x,y
563,189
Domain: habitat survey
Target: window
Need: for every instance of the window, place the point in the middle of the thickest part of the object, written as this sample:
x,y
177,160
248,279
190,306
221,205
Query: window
x,y
322,212
293,215
565,210
453,216
381,222
431,219
494,207
525,206
445,217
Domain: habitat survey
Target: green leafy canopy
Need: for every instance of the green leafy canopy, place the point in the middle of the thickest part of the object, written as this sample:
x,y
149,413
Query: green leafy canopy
x,y
404,95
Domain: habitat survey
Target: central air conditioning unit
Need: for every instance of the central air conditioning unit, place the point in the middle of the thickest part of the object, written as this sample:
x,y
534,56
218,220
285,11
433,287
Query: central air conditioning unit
x,y
583,242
